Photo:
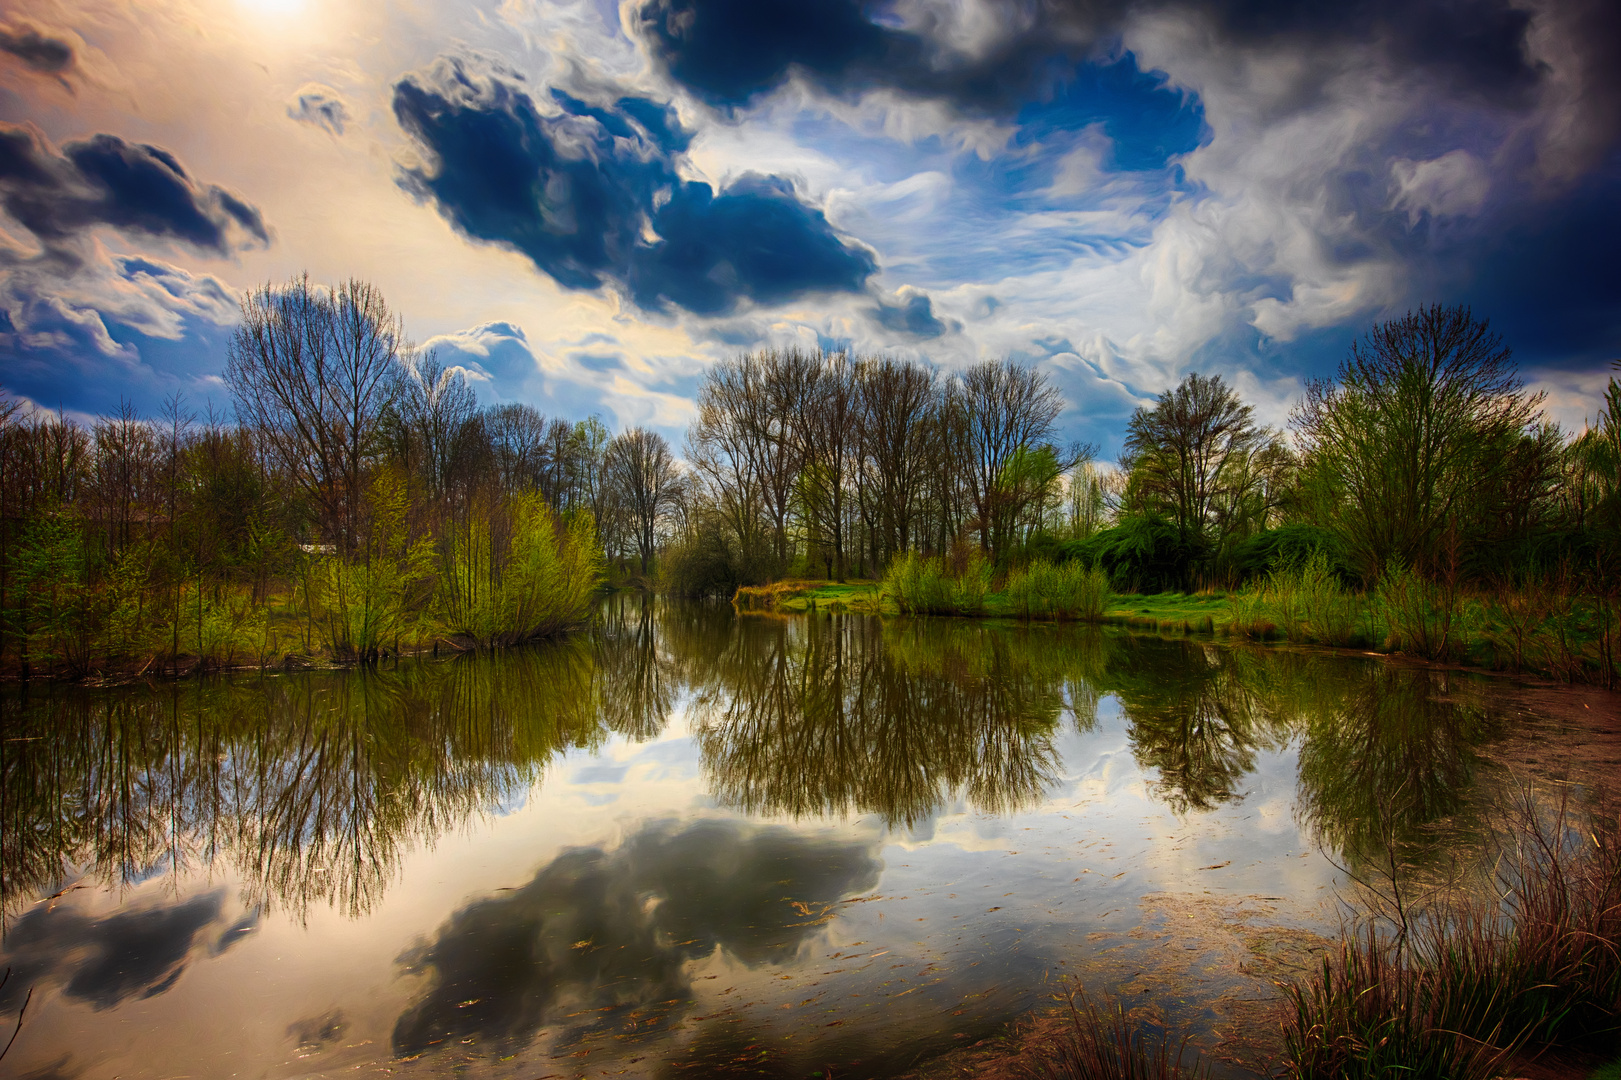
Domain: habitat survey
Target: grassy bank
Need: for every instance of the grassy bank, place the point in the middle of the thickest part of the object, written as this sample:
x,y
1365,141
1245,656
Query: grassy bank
x,y
1542,626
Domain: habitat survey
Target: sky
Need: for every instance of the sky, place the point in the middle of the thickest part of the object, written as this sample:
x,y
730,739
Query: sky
x,y
584,204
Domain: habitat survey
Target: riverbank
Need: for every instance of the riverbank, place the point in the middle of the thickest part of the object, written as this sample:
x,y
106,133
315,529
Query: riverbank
x,y
1485,632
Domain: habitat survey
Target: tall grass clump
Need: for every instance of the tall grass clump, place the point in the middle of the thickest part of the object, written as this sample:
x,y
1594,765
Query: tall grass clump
x,y
920,585
530,578
1310,603
1529,955
1101,1045
1069,590
1426,617
1366,1014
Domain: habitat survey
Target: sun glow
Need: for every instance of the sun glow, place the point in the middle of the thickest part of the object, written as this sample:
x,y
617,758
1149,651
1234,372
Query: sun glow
x,y
273,7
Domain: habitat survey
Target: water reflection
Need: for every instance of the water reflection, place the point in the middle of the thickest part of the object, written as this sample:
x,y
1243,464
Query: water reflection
x,y
310,789
1197,716
1387,751
311,786
107,961
607,936
840,715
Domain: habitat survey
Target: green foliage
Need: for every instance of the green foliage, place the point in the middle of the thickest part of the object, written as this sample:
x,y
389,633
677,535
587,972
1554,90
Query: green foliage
x,y
1309,603
362,604
919,585
538,583
1141,553
1426,617
50,606
1288,544
1070,590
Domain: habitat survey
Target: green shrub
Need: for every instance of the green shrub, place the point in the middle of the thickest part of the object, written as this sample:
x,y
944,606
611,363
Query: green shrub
x,y
1310,602
920,585
1256,556
1070,590
536,584
1140,554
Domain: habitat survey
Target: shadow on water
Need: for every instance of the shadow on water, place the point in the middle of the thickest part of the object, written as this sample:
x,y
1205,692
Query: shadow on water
x,y
311,788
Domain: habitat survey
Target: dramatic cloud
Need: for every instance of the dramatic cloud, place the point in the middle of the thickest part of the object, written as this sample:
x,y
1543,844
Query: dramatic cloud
x,y
132,187
608,932
319,106
1117,191
39,50
592,194
996,55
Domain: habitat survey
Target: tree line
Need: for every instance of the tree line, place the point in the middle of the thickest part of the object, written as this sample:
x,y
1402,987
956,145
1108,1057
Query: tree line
x,y
356,499
1423,451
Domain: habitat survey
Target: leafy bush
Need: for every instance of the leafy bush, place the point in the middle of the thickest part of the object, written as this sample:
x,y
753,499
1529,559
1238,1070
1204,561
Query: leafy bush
x,y
1289,545
538,583
362,603
1310,603
1140,554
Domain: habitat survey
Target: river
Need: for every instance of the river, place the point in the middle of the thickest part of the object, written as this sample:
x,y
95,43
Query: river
x,y
693,843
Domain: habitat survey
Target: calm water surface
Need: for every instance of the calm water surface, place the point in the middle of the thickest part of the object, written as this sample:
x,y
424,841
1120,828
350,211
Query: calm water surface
x,y
692,843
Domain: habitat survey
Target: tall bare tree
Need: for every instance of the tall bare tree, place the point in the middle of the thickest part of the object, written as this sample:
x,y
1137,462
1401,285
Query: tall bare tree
x,y
898,403
1007,412
827,424
1181,453
642,469
311,370
436,403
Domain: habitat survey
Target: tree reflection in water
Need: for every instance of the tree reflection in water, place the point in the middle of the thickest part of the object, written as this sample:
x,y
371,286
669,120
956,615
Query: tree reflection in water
x,y
837,715
311,785
314,785
1195,717
1388,751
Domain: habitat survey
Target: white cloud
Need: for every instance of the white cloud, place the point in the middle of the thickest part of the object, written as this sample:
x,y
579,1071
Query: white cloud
x,y
1450,185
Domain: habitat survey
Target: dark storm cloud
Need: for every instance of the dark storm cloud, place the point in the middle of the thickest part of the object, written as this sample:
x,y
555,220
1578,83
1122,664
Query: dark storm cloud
x,y
731,51
133,954
38,49
595,930
133,187
591,194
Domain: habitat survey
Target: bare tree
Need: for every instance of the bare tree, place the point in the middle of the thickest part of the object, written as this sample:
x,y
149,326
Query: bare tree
x,y
311,370
1007,413
898,403
1180,453
641,468
517,435
827,426
437,403
1414,428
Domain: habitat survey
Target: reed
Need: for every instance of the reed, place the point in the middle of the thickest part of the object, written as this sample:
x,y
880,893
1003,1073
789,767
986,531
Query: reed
x,y
1068,590
919,585
1102,1045
1529,956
